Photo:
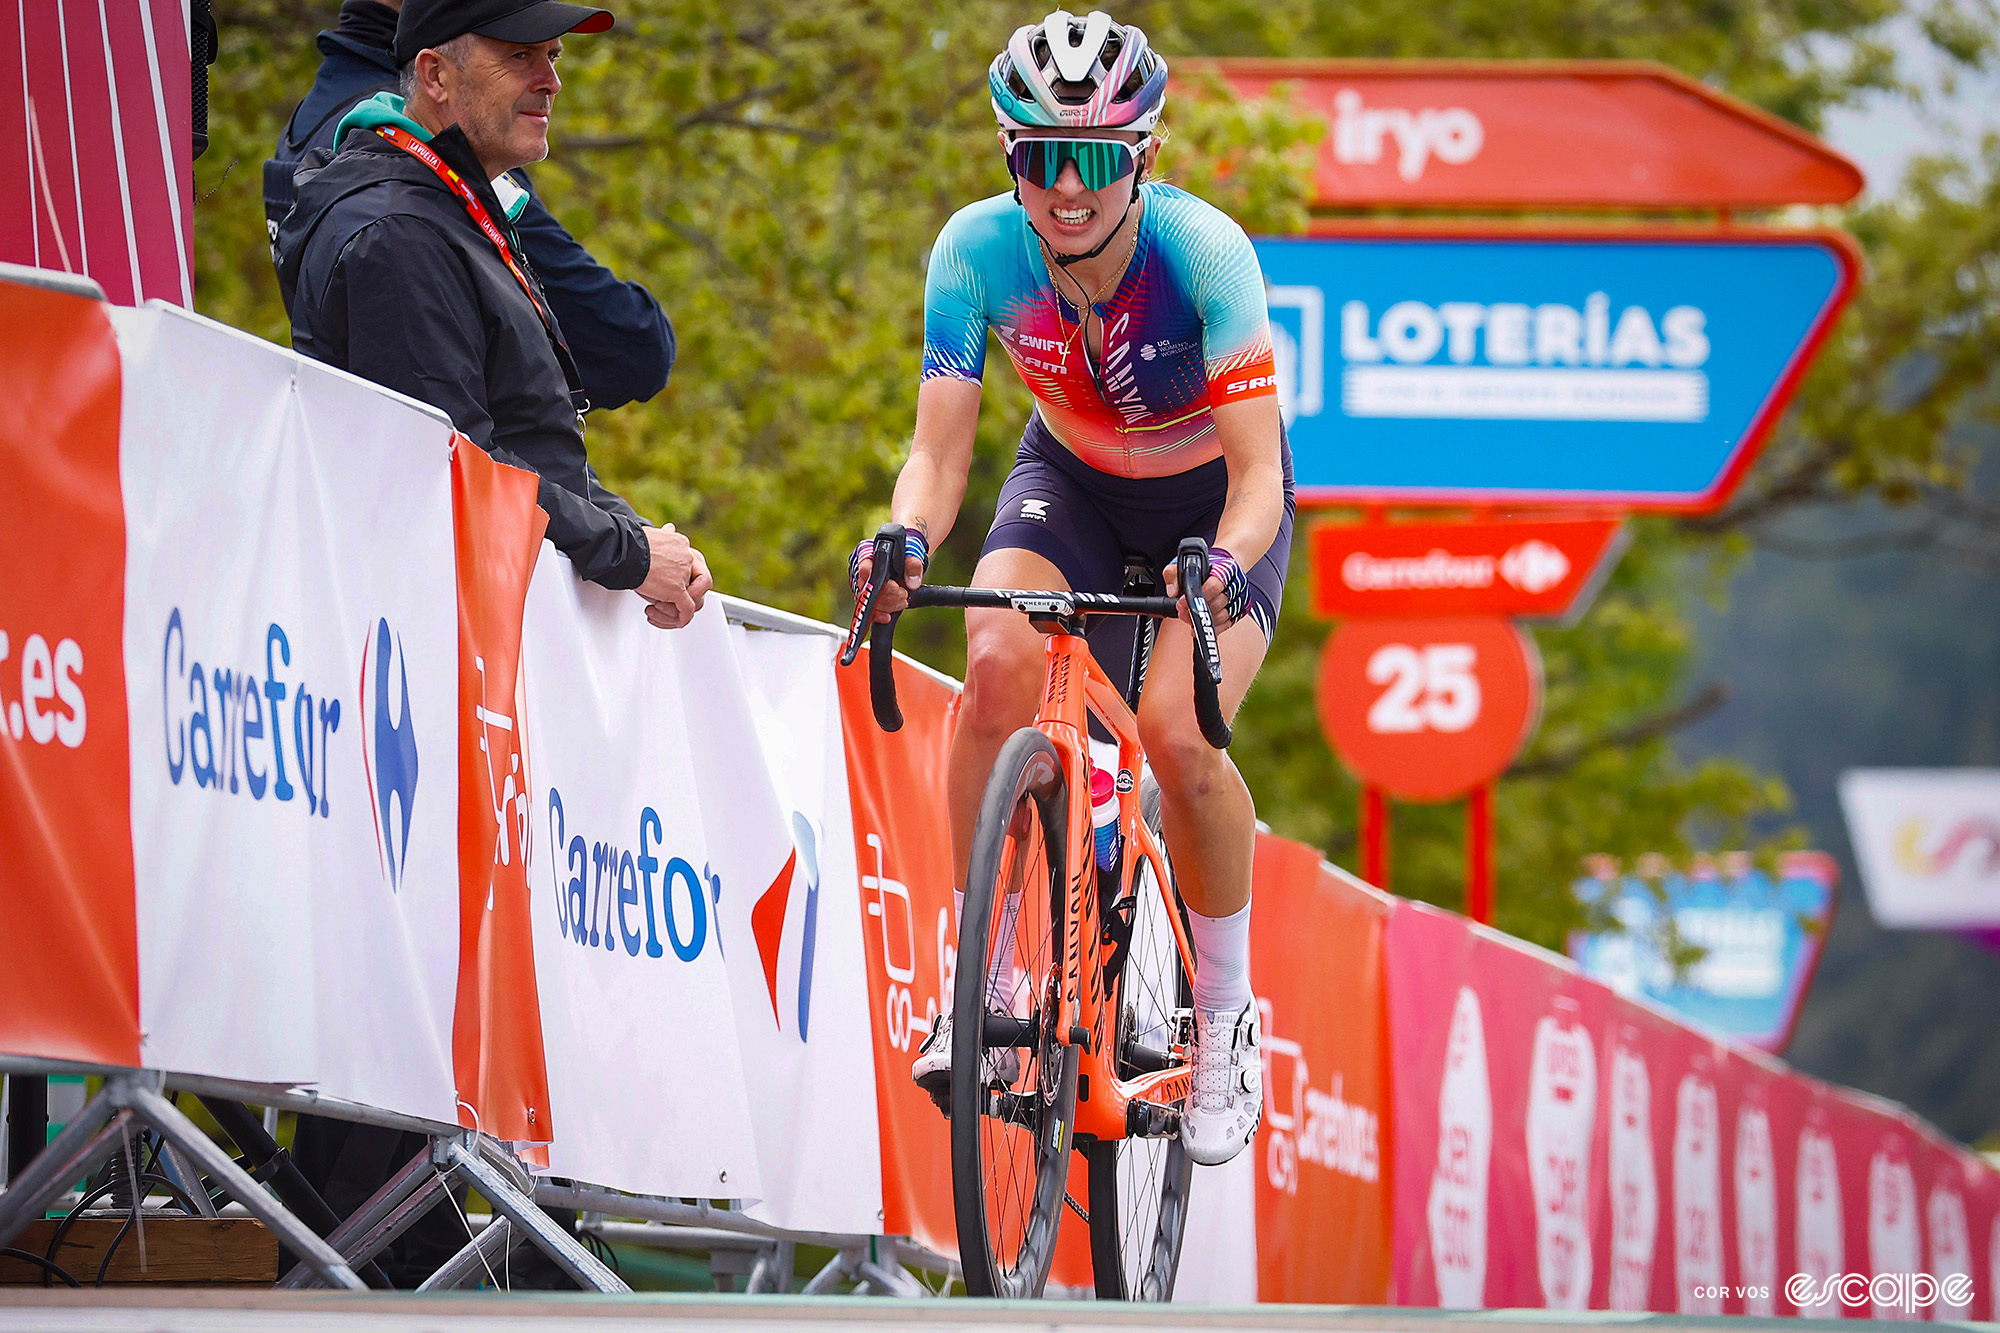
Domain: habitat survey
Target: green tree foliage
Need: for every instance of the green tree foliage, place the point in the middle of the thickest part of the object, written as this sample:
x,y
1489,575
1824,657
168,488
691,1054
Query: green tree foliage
x,y
775,173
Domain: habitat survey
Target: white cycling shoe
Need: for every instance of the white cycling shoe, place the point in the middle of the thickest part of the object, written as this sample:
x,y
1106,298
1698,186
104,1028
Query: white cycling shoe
x,y
1227,1103
931,1070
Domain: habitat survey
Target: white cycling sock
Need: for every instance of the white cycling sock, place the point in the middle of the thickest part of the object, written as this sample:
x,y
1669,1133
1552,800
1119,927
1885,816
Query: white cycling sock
x,y
1222,961
1003,972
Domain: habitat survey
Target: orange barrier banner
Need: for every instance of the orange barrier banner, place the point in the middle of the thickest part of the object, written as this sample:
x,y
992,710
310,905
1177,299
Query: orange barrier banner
x,y
65,767
1323,1153
903,845
503,1082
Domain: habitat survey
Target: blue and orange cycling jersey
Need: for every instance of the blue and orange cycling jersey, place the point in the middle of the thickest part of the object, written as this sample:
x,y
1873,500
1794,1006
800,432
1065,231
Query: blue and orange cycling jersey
x,y
1185,329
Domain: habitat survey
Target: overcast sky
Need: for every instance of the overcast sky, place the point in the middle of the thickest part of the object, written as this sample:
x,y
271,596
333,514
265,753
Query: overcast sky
x,y
1884,132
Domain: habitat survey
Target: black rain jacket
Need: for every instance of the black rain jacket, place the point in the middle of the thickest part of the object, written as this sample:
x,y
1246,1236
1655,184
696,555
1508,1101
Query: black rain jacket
x,y
623,341
386,275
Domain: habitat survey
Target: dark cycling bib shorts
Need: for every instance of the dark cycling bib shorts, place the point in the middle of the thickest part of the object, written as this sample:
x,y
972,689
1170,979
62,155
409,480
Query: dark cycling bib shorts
x,y
1085,522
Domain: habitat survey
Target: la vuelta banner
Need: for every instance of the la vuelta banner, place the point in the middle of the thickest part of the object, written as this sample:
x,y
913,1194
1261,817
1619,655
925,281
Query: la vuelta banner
x,y
903,844
292,684
503,1084
1323,1166
65,820
645,1076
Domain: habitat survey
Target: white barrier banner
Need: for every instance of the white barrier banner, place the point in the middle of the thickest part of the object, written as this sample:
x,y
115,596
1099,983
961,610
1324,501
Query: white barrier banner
x,y
645,1083
1927,841
796,960
291,669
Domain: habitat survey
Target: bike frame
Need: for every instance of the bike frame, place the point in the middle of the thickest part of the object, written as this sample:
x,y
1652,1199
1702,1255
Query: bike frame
x,y
1074,688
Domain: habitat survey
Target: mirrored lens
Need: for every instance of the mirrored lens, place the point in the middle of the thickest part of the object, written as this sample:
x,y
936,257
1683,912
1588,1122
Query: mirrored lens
x,y
1099,162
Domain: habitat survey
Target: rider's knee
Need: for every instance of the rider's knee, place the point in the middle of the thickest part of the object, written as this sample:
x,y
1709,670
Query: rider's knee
x,y
1002,684
1180,756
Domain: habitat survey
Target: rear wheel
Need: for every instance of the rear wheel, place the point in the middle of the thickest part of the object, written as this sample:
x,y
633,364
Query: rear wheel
x,y
1139,1186
1013,1087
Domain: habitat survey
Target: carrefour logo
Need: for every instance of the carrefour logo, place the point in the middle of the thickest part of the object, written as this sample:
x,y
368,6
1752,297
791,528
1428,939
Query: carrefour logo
x,y
607,897
799,878
388,746
227,728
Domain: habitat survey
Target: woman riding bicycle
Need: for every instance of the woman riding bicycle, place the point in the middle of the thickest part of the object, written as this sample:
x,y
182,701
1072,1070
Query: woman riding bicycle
x,y
1136,315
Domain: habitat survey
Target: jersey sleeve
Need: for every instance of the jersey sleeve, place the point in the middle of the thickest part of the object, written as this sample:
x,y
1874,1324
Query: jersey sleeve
x,y
1228,289
954,308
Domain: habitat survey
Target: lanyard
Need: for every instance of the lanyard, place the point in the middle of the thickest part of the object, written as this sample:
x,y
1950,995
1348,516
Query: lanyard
x,y
422,151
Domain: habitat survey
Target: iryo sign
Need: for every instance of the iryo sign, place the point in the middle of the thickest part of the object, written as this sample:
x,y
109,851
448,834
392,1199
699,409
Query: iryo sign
x,y
1638,368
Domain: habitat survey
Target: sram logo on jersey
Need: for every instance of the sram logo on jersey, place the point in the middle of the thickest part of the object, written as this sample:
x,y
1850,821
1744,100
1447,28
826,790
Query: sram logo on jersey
x,y
1236,387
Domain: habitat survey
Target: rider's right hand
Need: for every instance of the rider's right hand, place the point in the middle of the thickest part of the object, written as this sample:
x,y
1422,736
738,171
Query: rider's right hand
x,y
895,597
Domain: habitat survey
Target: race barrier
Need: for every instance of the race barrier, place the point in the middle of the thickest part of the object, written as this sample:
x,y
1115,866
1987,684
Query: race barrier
x,y
662,916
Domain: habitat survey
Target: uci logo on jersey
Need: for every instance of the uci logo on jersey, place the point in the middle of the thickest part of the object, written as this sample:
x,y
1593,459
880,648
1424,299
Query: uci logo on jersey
x,y
388,746
774,910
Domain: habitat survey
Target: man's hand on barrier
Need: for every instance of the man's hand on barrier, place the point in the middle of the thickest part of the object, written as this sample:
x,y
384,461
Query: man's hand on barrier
x,y
676,582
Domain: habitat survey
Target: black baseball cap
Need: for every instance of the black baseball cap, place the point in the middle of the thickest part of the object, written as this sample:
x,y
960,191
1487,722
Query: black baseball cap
x,y
427,23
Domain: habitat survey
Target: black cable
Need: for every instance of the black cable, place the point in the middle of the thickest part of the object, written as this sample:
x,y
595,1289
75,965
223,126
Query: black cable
x,y
116,1240
47,1266
62,1229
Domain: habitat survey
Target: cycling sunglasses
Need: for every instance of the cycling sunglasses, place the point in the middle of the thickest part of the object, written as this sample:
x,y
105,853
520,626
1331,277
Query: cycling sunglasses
x,y
1100,162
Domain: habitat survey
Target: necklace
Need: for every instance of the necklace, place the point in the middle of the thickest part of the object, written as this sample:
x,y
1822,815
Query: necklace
x,y
1117,275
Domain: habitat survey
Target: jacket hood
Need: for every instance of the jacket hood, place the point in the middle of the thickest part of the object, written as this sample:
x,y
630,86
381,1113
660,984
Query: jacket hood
x,y
387,109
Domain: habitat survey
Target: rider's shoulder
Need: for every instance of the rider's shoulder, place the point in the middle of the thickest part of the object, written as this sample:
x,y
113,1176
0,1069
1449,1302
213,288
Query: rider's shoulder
x,y
1174,210
988,222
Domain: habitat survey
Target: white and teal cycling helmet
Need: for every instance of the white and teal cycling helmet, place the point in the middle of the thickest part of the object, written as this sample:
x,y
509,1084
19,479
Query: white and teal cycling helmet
x,y
1078,73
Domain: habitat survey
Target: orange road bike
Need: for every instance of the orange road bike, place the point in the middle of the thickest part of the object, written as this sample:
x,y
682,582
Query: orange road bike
x,y
1072,1014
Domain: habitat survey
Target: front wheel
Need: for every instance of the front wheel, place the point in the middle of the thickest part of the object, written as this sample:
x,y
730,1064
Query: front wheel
x,y
1013,1085
1139,1186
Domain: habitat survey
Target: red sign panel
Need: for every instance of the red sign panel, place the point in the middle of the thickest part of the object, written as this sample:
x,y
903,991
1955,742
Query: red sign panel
x,y
1610,134
1428,709
1544,568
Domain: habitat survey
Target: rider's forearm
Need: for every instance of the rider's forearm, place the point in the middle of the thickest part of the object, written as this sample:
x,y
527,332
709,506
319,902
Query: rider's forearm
x,y
1250,432
1251,513
928,494
932,484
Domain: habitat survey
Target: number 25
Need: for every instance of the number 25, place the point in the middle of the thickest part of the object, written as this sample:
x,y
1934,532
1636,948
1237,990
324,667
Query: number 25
x,y
1433,688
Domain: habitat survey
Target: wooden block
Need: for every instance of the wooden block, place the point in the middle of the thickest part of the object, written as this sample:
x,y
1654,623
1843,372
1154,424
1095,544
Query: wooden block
x,y
180,1251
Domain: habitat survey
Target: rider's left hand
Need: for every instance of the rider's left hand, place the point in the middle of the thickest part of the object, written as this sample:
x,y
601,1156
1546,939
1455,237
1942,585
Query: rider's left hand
x,y
1217,590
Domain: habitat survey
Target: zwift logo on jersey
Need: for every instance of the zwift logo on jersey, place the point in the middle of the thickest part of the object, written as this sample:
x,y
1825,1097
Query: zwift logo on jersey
x,y
799,879
388,746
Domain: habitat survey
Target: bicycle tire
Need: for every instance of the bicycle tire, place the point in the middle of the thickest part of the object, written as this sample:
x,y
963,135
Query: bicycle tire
x,y
1139,1187
1007,1228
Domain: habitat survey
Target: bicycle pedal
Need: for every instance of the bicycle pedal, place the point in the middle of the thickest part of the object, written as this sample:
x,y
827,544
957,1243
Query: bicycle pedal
x,y
941,1098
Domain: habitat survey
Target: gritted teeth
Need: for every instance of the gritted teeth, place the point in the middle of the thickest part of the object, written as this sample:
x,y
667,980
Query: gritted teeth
x,y
1072,216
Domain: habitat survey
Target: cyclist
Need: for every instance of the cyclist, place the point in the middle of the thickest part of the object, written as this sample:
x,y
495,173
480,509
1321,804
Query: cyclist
x,y
1136,315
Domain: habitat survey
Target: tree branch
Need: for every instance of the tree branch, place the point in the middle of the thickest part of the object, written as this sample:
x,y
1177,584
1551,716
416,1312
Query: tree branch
x,y
1712,697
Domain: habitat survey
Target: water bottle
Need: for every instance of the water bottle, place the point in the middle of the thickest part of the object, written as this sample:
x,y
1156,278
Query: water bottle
x,y
1104,818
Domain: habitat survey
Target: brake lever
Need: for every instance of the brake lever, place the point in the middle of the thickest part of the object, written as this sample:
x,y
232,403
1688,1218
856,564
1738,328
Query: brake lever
x,y
1193,569
887,545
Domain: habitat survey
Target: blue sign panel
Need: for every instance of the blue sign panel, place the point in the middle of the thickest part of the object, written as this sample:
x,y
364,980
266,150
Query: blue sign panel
x,y
1640,372
1754,943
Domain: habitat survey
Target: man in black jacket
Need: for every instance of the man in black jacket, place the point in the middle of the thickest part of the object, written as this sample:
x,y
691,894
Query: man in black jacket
x,y
622,340
401,262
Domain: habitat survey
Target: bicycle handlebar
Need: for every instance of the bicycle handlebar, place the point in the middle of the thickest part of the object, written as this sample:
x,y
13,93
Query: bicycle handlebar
x,y
1192,567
